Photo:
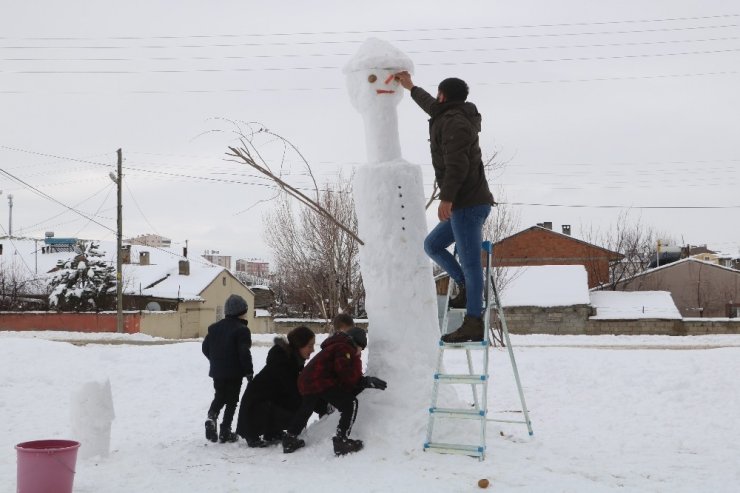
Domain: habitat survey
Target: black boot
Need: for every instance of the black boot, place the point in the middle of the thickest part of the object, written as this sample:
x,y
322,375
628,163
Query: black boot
x,y
274,438
461,300
345,445
211,429
291,443
226,435
471,330
256,443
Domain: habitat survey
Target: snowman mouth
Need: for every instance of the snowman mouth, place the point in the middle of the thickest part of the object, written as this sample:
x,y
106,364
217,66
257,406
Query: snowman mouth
x,y
384,91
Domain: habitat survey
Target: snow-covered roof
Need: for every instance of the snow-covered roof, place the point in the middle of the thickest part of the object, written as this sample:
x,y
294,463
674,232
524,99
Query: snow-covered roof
x,y
545,285
631,305
162,273
679,262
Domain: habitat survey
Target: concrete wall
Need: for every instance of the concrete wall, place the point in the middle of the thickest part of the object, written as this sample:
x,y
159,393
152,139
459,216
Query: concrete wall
x,y
162,324
547,320
63,321
283,326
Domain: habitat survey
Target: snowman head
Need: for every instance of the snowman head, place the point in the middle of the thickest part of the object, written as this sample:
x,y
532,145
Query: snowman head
x,y
370,73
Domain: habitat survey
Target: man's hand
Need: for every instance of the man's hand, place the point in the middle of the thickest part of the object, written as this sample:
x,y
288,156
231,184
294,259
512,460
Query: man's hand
x,y
444,211
405,79
373,383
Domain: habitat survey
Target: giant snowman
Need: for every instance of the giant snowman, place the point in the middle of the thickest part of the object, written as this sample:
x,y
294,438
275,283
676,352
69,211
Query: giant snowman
x,y
389,200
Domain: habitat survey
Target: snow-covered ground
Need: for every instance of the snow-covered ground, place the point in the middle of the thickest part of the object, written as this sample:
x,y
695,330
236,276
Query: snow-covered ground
x,y
609,414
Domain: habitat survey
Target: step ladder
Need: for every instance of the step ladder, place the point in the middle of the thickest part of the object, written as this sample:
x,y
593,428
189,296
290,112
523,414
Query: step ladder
x,y
478,381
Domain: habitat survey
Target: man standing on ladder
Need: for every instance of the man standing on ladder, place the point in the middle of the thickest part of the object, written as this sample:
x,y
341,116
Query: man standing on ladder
x,y
465,199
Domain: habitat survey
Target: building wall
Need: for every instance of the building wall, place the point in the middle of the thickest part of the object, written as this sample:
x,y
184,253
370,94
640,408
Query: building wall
x,y
74,322
211,309
166,324
547,320
538,246
698,289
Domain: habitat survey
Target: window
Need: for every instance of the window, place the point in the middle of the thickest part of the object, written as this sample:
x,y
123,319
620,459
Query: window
x,y
224,280
219,313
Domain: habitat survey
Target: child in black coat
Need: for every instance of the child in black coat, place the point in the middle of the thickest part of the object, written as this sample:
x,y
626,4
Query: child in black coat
x,y
272,398
227,347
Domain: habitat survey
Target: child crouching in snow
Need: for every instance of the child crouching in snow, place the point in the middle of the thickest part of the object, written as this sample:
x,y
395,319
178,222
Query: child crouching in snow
x,y
333,375
227,347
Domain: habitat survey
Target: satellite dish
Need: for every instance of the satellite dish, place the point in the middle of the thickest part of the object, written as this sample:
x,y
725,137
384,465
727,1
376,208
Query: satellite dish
x,y
153,306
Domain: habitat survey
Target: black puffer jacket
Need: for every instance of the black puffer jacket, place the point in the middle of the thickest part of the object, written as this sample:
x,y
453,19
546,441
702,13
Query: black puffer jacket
x,y
227,346
456,154
277,381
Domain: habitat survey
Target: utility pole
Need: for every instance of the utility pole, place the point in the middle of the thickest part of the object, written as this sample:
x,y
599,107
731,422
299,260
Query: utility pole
x,y
10,215
118,179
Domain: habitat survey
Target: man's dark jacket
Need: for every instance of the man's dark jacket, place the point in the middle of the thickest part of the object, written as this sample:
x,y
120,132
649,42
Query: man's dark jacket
x,y
337,365
277,382
227,346
456,154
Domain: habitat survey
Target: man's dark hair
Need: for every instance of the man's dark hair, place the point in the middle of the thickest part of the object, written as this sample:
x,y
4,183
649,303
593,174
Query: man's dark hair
x,y
343,320
454,89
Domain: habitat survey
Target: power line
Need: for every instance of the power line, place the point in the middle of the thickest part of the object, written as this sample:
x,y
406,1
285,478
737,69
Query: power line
x,y
336,67
139,208
584,206
49,197
339,42
380,31
409,52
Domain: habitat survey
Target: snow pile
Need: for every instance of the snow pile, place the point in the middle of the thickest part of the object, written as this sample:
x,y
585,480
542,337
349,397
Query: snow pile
x,y
92,415
545,285
632,305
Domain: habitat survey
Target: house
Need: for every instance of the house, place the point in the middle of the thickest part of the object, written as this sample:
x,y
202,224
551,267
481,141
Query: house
x,y
162,279
539,245
698,288
189,293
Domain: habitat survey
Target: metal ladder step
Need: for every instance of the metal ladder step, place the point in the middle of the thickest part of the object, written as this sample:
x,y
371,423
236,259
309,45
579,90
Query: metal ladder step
x,y
464,345
454,448
448,412
468,379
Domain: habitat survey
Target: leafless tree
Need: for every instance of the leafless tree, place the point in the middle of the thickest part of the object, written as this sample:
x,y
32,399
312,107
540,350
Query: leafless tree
x,y
629,237
19,291
317,261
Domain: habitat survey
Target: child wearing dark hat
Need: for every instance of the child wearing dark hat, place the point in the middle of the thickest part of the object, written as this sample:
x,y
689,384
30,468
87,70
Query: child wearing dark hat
x,y
335,376
227,346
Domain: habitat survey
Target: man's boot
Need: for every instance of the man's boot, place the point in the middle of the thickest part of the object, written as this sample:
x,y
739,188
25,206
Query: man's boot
x,y
226,435
211,427
471,330
345,445
291,443
461,300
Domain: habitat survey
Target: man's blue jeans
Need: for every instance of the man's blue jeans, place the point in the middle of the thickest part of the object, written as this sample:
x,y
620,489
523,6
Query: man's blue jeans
x,y
465,229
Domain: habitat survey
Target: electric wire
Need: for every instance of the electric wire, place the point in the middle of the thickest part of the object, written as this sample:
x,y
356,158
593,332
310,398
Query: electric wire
x,y
381,31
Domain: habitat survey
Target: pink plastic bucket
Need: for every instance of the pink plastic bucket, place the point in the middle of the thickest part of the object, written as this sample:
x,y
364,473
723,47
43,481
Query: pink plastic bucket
x,y
46,466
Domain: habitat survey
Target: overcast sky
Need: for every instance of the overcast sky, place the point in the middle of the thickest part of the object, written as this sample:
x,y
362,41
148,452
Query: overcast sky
x,y
591,104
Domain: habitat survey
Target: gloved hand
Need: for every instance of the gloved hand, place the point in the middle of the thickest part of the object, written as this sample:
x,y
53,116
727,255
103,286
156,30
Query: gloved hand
x,y
373,383
250,377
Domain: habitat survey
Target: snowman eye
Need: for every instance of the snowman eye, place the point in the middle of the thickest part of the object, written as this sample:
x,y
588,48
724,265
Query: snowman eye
x,y
372,78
